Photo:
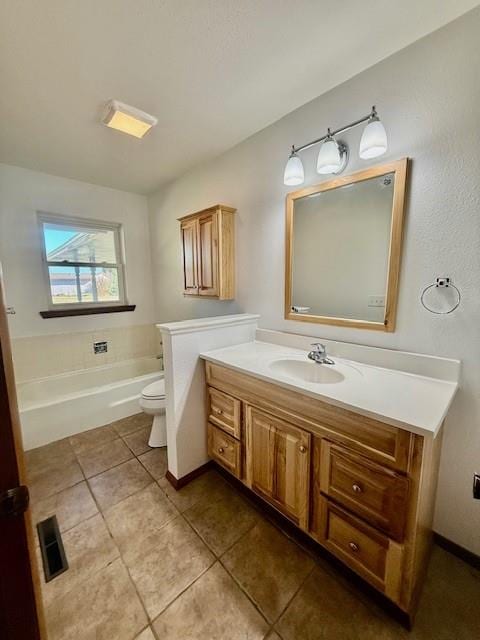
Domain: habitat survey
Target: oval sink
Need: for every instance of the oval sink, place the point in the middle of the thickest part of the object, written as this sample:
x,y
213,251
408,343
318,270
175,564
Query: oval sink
x,y
307,371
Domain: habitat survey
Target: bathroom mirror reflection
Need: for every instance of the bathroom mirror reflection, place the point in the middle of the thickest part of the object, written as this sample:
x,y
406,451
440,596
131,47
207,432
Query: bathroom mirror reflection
x,y
343,249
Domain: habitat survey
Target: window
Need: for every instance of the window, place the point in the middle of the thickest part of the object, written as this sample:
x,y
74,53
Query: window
x,y
82,261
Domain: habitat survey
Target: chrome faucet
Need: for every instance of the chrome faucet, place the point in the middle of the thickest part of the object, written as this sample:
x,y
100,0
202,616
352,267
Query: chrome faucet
x,y
319,354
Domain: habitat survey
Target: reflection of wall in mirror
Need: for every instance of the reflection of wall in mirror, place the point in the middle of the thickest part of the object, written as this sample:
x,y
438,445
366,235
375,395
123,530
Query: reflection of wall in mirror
x,y
340,250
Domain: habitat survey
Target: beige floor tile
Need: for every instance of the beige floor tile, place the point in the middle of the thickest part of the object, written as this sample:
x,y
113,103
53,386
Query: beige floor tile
x,y
269,566
449,604
88,548
104,457
147,634
325,609
138,441
155,462
136,518
60,451
208,487
104,607
223,522
114,485
131,424
170,561
45,481
82,442
214,608
71,506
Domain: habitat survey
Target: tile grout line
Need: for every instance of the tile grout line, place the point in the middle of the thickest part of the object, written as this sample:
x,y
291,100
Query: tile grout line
x,y
297,591
100,513
121,558
243,535
218,559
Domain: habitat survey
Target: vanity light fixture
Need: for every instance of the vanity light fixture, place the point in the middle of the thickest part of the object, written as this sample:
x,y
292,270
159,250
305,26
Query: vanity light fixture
x,y
333,155
294,173
374,138
127,119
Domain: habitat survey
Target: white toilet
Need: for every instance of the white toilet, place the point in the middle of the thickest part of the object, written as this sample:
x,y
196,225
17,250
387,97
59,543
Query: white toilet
x,y
153,403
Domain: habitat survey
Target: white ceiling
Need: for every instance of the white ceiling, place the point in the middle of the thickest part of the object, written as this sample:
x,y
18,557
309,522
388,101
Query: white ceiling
x,y
212,71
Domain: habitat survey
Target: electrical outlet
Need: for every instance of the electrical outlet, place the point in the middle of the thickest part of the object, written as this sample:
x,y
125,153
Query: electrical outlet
x,y
476,486
100,347
376,301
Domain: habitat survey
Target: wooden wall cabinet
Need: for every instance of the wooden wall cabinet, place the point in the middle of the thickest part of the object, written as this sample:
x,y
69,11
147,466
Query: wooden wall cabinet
x,y
208,250
361,488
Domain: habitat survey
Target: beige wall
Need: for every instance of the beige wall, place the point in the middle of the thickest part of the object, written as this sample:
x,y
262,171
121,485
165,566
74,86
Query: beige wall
x,y
428,96
22,194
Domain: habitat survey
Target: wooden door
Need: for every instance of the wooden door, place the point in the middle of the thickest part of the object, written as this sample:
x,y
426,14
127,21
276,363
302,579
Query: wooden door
x,y
208,254
189,231
20,608
278,463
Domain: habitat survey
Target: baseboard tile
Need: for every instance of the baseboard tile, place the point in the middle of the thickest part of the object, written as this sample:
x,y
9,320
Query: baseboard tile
x,y
178,483
455,549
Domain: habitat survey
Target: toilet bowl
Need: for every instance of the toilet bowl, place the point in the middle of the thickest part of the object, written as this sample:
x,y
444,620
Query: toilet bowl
x,y
153,403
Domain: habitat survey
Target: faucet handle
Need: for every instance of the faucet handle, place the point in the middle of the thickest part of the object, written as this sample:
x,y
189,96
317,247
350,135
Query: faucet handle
x,y
320,346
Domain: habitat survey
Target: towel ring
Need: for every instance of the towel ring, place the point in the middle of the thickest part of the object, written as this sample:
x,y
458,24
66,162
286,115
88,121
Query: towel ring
x,y
442,283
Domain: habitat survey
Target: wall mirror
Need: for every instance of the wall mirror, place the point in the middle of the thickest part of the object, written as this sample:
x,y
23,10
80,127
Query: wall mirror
x,y
343,249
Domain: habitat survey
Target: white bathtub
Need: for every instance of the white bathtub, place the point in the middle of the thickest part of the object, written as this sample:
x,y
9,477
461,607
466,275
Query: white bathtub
x,y
62,405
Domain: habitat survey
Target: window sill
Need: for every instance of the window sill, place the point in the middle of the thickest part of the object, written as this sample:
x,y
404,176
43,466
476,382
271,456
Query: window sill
x,y
87,311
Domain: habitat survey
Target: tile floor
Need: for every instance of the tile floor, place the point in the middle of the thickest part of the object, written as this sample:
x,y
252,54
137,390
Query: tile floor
x,y
150,563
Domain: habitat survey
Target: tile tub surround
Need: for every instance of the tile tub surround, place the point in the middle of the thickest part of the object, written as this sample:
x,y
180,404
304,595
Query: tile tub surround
x,y
123,583
185,382
42,356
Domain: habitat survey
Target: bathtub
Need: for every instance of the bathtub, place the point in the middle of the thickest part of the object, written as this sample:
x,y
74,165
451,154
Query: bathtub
x,y
61,405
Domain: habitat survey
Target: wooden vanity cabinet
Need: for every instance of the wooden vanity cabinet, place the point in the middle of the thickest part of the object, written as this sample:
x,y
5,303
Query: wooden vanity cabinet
x,y
277,463
208,250
361,488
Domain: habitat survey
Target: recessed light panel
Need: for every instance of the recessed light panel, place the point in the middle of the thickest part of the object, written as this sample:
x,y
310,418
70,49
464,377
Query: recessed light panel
x,y
128,119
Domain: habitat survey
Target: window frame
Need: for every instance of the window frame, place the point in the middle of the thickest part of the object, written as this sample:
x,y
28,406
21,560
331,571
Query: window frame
x,y
83,223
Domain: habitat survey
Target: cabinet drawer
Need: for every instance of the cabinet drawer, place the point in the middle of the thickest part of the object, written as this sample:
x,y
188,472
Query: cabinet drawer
x,y
363,549
375,493
384,443
224,411
224,449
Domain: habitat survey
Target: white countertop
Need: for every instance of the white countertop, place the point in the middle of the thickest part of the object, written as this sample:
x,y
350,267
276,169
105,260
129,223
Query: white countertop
x,y
413,402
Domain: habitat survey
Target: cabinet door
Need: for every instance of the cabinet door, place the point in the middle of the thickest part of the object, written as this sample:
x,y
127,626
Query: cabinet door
x,y
189,246
278,463
208,255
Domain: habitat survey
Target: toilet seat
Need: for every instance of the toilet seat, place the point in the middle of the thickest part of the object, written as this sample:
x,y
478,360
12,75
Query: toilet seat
x,y
154,391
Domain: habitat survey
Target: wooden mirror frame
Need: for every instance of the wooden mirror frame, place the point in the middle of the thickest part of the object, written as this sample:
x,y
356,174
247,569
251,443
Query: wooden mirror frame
x,y
399,168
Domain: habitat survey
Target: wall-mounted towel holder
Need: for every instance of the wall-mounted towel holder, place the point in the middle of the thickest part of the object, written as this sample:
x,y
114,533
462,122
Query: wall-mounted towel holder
x,y
441,283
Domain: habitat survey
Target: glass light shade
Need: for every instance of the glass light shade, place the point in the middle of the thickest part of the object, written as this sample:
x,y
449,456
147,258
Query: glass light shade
x,y
329,157
374,140
294,173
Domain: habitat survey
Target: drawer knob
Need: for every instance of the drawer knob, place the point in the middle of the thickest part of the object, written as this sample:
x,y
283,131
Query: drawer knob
x,y
357,488
354,546
218,411
221,450
302,448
